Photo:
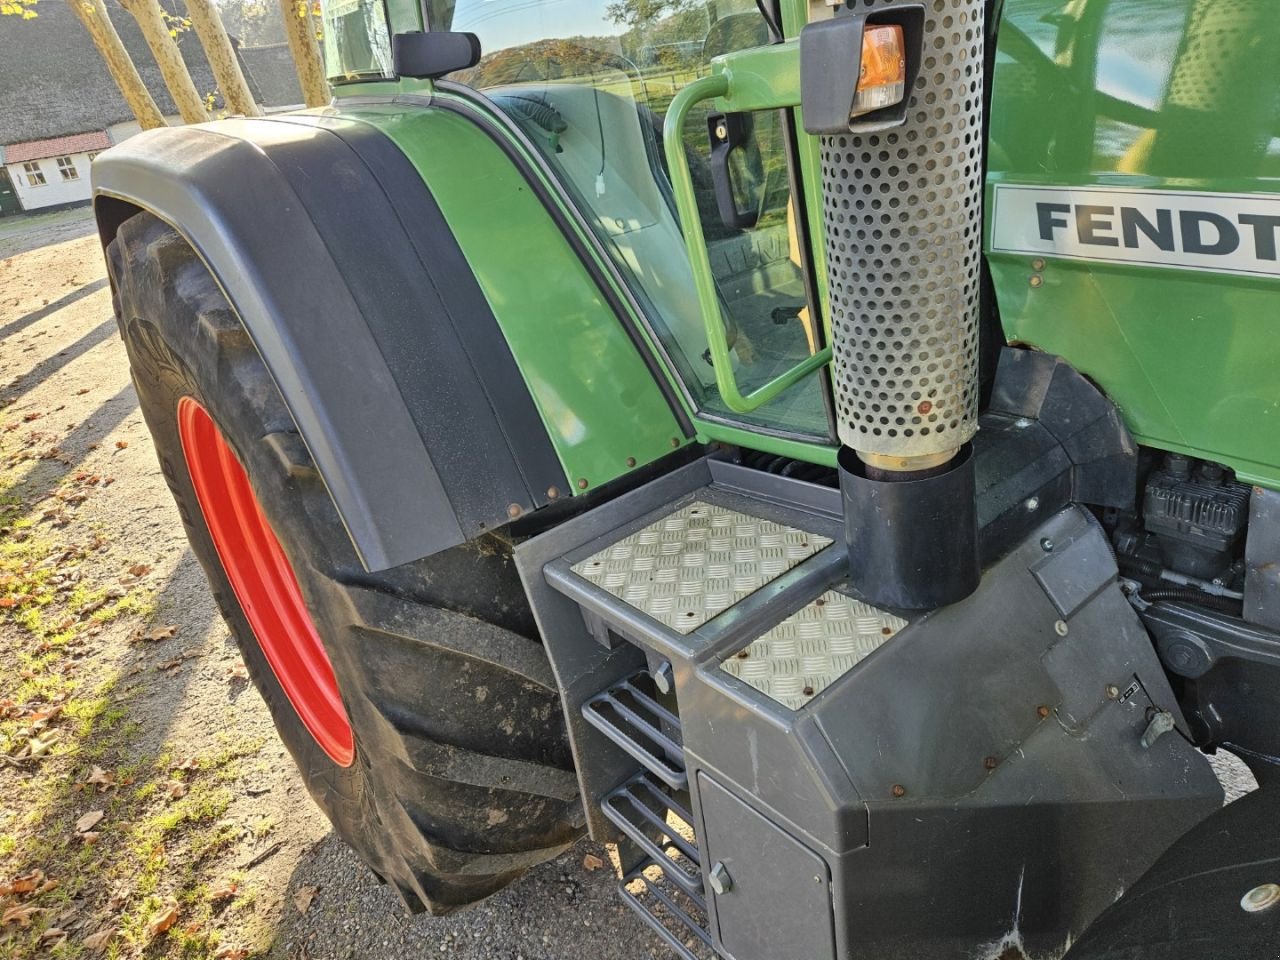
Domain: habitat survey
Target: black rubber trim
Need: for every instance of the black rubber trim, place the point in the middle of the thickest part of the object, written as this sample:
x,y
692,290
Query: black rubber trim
x,y
585,254
454,296
355,328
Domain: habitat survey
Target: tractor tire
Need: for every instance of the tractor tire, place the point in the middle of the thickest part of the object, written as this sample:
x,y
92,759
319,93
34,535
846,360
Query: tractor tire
x,y
423,714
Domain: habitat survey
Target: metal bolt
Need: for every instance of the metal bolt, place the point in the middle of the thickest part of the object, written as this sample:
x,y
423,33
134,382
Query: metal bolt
x,y
1042,712
582,483
1262,897
925,407
1036,280
899,790
1023,422
807,691
514,510
553,493
720,880
1037,264
722,131
1046,545
675,442
664,678
1112,691
1060,628
991,763
1033,505
631,461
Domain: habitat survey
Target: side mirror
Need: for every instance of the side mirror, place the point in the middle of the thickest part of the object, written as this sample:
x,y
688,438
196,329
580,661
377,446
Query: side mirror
x,y
429,56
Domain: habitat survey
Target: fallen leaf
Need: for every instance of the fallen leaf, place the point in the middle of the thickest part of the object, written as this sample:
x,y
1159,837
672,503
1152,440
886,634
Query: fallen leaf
x,y
8,602
190,763
232,953
41,745
156,635
102,779
19,915
175,789
28,417
97,942
591,863
165,919
140,569
53,933
90,838
224,892
302,899
235,672
120,445
23,884
89,820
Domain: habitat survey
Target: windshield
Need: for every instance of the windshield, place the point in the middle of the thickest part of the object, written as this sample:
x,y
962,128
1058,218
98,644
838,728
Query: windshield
x,y
589,82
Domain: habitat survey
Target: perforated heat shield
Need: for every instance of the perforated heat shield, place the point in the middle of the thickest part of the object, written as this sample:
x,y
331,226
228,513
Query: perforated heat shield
x,y
903,213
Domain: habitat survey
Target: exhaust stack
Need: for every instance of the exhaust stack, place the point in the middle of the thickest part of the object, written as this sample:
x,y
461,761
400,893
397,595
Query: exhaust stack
x,y
903,211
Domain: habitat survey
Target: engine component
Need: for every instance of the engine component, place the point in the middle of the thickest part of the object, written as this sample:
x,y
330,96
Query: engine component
x,y
1198,513
1262,572
1231,672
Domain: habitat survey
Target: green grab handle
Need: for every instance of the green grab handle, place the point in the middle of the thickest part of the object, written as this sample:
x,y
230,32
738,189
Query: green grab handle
x,y
709,88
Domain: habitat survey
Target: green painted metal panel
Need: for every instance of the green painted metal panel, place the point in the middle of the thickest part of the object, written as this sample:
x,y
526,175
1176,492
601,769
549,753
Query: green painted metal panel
x,y
599,401
1173,102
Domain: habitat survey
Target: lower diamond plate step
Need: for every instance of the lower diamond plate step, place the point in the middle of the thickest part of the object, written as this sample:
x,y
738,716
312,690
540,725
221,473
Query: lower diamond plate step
x,y
697,562
796,660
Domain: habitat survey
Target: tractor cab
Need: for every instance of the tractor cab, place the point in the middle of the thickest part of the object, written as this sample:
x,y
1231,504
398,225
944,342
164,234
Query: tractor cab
x,y
589,85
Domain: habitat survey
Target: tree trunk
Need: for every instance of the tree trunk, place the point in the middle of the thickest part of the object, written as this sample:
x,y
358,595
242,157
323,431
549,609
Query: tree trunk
x,y
301,34
163,47
222,57
93,15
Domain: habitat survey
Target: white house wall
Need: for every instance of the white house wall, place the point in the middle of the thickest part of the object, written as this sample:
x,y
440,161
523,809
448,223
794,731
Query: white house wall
x,y
55,190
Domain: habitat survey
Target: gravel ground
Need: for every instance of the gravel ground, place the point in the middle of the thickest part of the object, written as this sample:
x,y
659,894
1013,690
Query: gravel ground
x,y
62,365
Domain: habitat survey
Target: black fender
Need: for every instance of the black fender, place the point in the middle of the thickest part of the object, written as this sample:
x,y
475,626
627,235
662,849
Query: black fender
x,y
339,262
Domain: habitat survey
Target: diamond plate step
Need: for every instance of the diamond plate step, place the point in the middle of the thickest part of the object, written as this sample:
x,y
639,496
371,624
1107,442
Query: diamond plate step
x,y
697,562
796,660
640,808
641,726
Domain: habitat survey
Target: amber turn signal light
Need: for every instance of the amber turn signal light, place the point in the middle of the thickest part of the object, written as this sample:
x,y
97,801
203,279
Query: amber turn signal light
x,y
882,77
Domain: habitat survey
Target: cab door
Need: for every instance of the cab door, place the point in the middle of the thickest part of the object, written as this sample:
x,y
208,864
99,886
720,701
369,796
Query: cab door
x,y
590,83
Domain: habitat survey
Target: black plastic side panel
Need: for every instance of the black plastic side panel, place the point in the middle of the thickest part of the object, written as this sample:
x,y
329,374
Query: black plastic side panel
x,y
366,314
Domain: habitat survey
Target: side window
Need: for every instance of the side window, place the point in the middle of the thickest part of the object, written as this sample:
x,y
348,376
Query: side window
x,y
35,176
589,82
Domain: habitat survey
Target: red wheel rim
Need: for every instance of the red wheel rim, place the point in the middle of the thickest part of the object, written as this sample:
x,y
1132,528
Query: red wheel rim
x,y
264,581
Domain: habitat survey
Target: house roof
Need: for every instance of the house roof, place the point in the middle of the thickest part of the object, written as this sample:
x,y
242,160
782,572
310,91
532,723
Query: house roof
x,y
56,147
53,83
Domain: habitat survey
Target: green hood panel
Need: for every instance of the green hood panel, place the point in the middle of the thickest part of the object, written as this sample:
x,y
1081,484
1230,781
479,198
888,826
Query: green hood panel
x,y
1148,123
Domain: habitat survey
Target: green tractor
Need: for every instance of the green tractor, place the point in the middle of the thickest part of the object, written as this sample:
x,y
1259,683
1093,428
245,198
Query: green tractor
x,y
828,448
